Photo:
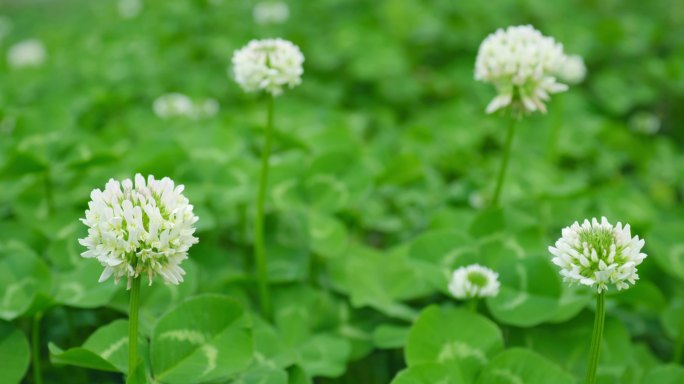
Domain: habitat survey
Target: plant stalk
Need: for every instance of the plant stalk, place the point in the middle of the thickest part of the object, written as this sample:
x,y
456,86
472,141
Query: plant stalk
x,y
133,326
35,348
679,345
595,350
259,246
504,161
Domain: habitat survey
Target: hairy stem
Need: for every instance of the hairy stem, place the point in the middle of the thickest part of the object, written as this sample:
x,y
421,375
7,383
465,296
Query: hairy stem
x,y
35,348
133,326
595,350
259,246
504,161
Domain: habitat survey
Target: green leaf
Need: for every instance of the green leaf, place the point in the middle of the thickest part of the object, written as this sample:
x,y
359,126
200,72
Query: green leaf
x,y
14,353
106,349
490,221
26,282
518,365
456,336
263,374
80,288
430,373
327,235
203,339
530,292
388,336
665,374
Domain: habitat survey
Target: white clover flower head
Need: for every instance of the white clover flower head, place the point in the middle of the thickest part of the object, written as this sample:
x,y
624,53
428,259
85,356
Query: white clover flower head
x,y
27,53
597,254
573,70
173,105
647,123
139,228
268,65
270,12
521,63
474,281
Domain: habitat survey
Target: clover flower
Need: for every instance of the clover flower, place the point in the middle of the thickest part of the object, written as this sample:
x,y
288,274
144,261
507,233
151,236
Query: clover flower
x,y
172,105
521,63
474,281
597,254
270,12
573,70
268,65
27,53
139,228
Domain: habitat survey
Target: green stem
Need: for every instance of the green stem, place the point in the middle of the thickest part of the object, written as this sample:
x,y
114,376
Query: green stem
x,y
504,161
556,123
35,348
679,345
472,304
133,326
259,247
595,350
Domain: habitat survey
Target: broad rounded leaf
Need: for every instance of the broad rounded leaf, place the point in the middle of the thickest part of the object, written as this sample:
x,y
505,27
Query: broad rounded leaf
x,y
205,338
80,288
26,282
105,350
14,353
430,373
529,294
458,336
518,365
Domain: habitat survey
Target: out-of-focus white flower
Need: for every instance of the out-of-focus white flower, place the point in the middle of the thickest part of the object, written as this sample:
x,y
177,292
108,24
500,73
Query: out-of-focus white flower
x,y
142,228
477,200
129,9
207,108
271,12
27,53
597,254
173,105
645,122
573,70
521,63
474,281
268,65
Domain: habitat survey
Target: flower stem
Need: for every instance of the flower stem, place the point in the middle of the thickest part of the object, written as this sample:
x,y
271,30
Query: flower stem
x,y
596,337
679,345
133,326
35,348
472,304
259,247
504,160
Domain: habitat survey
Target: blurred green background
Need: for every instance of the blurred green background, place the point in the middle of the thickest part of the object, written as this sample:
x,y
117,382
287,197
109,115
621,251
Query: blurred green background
x,y
385,141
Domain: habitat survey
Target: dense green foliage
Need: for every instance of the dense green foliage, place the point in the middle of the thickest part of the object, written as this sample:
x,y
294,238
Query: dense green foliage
x,y
383,165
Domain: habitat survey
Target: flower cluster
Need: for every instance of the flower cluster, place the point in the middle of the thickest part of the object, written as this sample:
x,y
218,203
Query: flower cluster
x,y
268,65
474,281
521,63
139,228
27,53
179,105
597,254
